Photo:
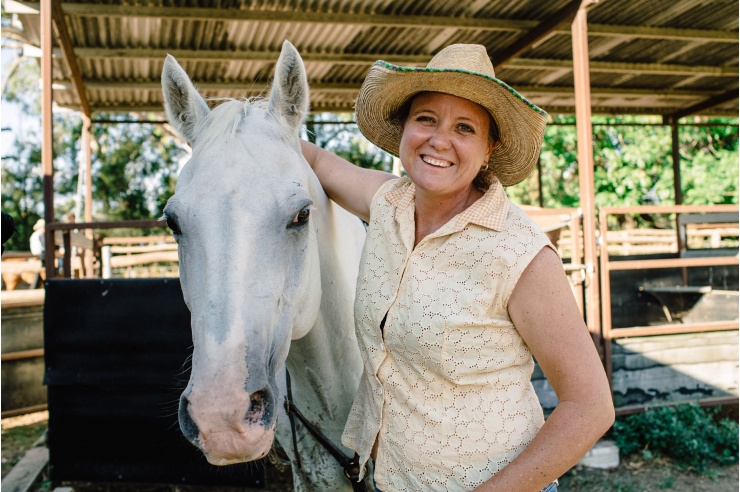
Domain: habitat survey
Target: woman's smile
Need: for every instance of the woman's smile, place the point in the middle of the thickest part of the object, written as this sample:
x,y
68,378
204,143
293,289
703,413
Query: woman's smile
x,y
436,162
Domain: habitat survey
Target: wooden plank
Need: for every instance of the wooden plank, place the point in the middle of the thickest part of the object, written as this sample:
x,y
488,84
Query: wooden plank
x,y
28,469
23,354
121,224
663,209
137,239
674,329
143,249
22,298
18,267
143,258
672,263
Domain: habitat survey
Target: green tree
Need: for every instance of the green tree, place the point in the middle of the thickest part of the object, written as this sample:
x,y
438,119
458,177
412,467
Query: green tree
x,y
342,137
633,164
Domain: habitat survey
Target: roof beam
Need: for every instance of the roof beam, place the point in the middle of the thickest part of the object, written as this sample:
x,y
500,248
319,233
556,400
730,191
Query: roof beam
x,y
642,32
361,59
224,14
246,55
259,87
537,33
62,35
623,68
349,108
474,23
704,105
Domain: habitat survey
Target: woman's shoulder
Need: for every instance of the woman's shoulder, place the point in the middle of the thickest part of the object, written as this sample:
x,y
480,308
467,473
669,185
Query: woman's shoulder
x,y
391,190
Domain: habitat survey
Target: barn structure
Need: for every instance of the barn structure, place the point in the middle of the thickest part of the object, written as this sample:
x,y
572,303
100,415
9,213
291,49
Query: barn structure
x,y
673,58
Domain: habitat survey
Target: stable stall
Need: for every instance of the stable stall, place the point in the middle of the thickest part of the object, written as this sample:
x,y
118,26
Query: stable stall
x,y
675,59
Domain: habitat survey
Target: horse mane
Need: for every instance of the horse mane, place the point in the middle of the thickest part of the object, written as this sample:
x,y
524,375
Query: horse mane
x,y
224,119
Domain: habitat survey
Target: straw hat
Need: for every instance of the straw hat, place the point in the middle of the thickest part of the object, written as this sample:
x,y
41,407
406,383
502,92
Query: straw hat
x,y
463,70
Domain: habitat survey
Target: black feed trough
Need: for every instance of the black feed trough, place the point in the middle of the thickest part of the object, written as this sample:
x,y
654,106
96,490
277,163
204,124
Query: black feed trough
x,y
116,354
679,300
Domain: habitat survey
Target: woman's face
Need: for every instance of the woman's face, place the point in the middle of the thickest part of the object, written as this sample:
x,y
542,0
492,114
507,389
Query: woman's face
x,y
445,143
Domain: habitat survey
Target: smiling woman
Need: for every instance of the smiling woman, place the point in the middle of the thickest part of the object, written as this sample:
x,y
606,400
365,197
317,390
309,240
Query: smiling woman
x,y
458,289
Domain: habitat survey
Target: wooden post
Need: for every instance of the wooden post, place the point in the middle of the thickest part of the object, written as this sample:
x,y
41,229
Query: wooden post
x,y
87,148
584,132
47,142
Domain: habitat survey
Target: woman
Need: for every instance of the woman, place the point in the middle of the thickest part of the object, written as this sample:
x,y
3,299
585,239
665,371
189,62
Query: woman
x,y
458,289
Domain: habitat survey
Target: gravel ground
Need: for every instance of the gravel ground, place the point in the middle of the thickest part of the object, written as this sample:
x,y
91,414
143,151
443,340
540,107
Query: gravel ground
x,y
19,434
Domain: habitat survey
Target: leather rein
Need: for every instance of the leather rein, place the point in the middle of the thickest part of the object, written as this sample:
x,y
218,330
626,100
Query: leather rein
x,y
351,466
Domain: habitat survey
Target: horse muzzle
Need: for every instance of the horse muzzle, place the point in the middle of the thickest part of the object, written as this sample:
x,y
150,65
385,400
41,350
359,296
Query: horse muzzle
x,y
238,430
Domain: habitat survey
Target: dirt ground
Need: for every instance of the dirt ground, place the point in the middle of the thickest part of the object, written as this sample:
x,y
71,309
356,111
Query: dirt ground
x,y
20,433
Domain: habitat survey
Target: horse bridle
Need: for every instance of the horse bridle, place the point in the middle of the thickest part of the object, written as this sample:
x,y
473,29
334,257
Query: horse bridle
x,y
351,466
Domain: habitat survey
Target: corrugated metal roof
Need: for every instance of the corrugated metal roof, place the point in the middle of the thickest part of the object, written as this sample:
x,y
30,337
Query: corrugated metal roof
x,y
648,56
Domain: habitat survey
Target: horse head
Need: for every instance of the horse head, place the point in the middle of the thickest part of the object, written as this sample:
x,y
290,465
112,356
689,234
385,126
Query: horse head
x,y
242,214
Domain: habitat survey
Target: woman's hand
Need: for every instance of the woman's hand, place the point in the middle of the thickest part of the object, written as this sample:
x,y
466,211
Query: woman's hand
x,y
545,313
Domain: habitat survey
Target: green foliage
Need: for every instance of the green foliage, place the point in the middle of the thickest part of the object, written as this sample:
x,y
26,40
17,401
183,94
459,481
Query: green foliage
x,y
134,169
344,139
690,435
633,164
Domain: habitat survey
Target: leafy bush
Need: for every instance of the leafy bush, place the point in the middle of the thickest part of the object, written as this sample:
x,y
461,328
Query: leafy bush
x,y
690,435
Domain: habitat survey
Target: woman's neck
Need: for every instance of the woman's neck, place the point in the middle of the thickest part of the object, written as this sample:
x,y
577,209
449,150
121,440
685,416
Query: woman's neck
x,y
434,211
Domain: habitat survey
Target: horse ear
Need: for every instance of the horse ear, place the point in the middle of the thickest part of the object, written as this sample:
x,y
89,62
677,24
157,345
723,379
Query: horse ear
x,y
289,96
182,102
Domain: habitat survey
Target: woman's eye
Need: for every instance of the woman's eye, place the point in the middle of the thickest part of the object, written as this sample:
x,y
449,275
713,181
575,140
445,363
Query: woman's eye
x,y
301,217
466,129
424,119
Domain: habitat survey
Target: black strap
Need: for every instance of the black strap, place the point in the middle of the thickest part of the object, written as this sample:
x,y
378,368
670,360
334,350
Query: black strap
x,y
351,466
288,400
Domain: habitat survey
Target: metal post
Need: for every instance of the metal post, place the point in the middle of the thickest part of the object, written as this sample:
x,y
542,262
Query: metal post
x,y
540,197
676,154
584,132
678,194
47,150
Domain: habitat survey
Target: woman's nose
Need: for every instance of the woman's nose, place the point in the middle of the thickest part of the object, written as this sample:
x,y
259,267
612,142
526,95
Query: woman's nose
x,y
439,139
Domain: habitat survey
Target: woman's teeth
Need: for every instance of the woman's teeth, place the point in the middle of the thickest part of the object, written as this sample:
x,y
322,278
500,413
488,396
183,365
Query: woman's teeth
x,y
436,162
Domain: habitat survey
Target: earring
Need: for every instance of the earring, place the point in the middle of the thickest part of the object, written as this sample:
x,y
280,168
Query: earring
x,y
484,168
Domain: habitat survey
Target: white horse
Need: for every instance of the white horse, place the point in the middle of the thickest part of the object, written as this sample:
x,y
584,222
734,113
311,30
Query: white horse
x,y
268,267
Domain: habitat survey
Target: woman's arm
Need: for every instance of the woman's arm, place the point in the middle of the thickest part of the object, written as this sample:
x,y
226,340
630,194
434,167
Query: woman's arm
x,y
352,187
545,313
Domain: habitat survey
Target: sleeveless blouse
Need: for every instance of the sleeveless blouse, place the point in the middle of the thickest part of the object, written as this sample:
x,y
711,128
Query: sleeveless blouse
x,y
446,386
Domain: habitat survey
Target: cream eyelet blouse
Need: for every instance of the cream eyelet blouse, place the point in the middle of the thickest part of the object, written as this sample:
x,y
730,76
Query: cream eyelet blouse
x,y
446,386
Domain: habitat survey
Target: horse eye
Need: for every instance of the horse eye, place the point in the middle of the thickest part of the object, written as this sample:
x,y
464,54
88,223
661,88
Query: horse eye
x,y
301,217
173,226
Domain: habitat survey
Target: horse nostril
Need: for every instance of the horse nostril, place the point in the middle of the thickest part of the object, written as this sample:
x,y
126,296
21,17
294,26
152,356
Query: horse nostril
x,y
187,425
260,408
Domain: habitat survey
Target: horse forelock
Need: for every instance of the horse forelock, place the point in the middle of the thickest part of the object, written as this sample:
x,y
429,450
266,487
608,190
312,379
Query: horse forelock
x,y
224,120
